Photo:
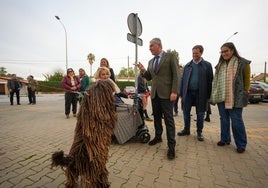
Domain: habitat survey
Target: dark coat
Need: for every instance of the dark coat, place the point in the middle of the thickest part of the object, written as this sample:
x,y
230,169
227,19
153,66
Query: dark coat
x,y
205,83
14,84
240,93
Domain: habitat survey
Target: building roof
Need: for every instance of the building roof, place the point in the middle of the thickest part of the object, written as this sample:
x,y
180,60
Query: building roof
x,y
260,77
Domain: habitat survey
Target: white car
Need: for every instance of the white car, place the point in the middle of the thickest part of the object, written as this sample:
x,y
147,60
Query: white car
x,y
129,90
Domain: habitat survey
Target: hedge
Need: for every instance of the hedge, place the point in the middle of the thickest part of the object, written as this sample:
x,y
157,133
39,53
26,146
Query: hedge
x,y
55,86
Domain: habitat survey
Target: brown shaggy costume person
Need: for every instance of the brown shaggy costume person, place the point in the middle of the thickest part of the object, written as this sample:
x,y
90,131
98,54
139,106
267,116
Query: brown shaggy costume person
x,y
95,126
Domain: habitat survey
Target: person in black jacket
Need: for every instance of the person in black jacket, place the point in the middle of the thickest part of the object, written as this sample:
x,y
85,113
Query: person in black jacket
x,y
14,86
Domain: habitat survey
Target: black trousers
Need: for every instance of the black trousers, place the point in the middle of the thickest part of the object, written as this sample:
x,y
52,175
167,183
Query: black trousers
x,y
208,108
17,91
70,99
31,96
176,104
164,107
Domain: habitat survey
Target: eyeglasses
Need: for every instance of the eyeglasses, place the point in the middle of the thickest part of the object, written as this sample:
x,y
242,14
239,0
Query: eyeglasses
x,y
223,52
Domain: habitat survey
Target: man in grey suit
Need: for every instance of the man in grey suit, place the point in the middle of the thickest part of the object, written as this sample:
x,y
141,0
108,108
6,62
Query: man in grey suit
x,y
163,71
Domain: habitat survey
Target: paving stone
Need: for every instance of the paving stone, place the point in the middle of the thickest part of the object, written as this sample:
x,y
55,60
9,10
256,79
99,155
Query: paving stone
x,y
43,181
25,183
22,176
149,179
6,184
164,178
25,156
9,175
117,182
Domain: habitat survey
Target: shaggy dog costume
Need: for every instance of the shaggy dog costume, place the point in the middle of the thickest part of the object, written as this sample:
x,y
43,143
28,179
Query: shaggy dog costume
x,y
95,126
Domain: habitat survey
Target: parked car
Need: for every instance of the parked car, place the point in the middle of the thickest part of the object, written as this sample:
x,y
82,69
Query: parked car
x,y
262,85
129,90
255,94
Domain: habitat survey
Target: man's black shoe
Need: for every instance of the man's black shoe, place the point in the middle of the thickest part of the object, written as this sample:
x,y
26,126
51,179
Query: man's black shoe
x,y
207,119
200,137
183,133
155,141
171,153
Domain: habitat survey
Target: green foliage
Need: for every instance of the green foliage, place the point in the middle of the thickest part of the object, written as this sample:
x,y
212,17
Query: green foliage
x,y
91,58
50,86
56,87
3,71
123,84
123,72
57,76
175,53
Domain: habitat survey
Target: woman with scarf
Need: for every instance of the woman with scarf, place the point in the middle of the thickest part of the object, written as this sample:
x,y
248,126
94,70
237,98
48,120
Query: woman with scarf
x,y
230,93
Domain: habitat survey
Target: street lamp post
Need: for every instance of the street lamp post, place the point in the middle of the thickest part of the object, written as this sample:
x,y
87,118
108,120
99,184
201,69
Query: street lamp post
x,y
58,18
231,36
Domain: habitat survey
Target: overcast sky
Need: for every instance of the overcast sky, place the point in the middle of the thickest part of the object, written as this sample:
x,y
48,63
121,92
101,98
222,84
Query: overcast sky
x,y
32,40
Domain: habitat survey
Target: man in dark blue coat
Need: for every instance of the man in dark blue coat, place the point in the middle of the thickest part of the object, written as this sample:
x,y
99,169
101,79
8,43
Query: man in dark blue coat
x,y
195,90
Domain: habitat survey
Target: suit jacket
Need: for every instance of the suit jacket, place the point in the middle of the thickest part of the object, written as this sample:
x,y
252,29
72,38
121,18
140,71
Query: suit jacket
x,y
165,80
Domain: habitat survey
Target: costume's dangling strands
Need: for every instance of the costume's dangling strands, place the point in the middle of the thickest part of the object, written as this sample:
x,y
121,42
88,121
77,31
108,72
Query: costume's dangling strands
x,y
88,155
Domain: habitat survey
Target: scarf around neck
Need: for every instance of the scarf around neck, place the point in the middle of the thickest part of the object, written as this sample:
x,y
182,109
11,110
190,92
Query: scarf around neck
x,y
229,80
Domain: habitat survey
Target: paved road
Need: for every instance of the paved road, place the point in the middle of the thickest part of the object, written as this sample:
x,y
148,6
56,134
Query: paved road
x,y
30,133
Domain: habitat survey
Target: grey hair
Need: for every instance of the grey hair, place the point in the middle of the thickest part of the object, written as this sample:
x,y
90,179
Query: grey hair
x,y
157,40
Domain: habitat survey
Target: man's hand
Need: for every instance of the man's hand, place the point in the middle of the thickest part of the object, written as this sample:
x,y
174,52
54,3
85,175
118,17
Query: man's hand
x,y
173,96
140,66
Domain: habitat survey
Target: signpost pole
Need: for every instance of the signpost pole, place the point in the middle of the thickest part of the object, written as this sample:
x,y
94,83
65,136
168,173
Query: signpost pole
x,y
136,52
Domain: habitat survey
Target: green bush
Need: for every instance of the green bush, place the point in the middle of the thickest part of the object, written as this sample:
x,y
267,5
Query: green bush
x,y
50,86
123,84
55,86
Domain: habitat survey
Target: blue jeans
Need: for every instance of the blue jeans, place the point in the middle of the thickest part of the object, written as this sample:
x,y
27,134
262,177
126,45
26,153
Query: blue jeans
x,y
238,126
192,100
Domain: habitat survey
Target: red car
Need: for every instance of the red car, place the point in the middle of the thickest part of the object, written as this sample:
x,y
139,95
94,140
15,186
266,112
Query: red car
x,y
255,94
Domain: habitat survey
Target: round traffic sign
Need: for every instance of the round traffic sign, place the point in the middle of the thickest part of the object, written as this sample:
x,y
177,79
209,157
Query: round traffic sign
x,y
134,26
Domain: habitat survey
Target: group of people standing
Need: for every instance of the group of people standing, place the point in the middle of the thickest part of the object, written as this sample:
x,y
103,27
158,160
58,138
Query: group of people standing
x,y
194,84
73,85
228,89
77,85
14,86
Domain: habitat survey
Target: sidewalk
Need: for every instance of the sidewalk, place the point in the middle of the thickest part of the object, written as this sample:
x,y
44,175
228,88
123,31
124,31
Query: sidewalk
x,y
31,133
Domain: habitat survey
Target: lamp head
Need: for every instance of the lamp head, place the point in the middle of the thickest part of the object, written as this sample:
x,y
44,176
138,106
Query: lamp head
x,y
58,18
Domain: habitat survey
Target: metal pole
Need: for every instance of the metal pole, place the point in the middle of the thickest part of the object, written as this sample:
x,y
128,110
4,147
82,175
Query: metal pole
x,y
91,70
264,79
58,18
136,51
127,68
231,36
